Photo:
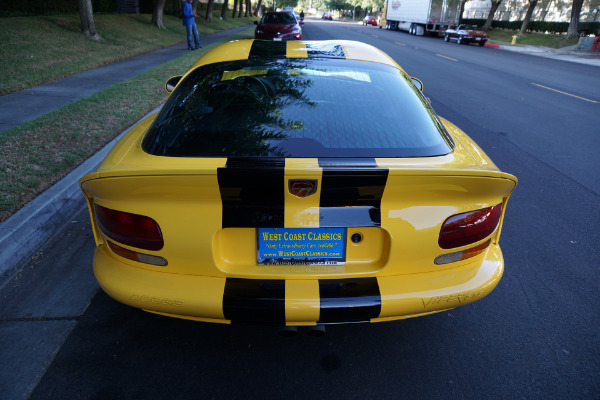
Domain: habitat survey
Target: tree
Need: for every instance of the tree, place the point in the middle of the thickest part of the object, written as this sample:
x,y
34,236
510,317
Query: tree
x,y
86,14
157,14
209,10
490,18
528,14
224,9
286,3
573,25
235,6
257,9
461,10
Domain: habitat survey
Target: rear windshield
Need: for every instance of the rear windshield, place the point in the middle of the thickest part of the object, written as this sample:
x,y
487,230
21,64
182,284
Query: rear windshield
x,y
296,108
278,18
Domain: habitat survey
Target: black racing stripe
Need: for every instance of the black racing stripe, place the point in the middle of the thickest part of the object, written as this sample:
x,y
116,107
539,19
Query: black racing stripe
x,y
351,192
325,50
268,48
254,300
252,192
349,300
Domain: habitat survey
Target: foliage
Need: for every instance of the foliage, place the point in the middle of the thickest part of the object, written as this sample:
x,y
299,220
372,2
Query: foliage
x,y
374,5
52,7
536,26
11,8
503,36
282,3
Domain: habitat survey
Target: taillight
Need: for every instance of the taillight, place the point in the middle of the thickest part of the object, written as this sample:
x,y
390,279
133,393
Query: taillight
x,y
135,256
462,255
470,227
130,229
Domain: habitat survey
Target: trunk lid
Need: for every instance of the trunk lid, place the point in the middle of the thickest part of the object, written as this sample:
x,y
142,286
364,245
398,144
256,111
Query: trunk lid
x,y
210,209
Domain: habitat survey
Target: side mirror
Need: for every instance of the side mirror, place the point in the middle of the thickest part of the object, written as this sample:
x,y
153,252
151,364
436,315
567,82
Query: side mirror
x,y
417,83
172,82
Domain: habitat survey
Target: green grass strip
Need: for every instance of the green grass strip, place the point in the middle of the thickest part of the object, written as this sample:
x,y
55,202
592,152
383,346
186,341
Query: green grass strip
x,y
35,155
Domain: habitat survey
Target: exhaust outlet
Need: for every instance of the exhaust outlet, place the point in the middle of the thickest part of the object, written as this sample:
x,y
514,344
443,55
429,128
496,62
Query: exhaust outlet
x,y
317,330
288,331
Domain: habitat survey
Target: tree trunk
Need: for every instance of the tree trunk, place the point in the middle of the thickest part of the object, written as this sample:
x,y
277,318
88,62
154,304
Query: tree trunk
x,y
235,6
209,10
490,18
257,9
462,11
86,15
157,14
528,14
224,9
248,7
575,12
241,6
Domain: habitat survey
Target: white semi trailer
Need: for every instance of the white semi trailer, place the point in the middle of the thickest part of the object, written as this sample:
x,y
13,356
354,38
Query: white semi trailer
x,y
420,16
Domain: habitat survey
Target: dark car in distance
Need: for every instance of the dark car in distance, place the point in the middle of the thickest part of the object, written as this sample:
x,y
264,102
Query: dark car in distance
x,y
327,16
466,34
278,26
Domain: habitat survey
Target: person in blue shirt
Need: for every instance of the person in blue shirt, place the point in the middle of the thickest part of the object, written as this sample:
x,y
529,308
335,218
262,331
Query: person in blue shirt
x,y
190,25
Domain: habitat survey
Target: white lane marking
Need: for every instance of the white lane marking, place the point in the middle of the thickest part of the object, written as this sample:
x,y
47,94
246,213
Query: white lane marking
x,y
565,93
448,58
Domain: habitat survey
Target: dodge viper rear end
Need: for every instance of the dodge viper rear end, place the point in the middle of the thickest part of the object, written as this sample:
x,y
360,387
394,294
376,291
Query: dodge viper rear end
x,y
255,196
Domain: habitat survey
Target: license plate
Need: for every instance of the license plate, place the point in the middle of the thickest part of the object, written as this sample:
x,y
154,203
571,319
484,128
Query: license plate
x,y
277,39
301,246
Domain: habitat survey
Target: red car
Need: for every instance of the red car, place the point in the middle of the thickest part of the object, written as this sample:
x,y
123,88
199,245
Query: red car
x,y
466,34
368,20
278,26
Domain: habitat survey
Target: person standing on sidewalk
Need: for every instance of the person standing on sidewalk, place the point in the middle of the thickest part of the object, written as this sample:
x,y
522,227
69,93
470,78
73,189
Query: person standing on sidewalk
x,y
190,25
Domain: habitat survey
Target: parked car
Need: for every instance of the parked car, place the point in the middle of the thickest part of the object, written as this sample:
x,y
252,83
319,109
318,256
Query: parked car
x,y
370,20
278,26
258,195
327,16
466,34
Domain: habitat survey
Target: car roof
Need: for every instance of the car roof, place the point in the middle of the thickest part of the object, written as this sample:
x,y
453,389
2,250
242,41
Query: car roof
x,y
250,48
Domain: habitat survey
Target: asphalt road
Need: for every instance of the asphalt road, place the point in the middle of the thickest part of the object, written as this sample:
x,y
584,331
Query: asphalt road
x,y
534,337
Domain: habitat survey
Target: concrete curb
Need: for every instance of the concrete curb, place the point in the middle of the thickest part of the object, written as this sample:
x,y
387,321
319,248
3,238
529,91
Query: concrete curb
x,y
27,230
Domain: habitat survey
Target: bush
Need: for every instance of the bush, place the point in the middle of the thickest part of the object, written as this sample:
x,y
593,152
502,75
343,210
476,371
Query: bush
x,y
13,8
539,26
52,7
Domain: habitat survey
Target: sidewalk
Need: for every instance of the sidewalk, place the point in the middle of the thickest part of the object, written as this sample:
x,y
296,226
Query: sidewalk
x,y
569,54
22,234
19,107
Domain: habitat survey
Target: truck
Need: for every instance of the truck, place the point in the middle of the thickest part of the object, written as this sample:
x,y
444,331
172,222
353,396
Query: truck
x,y
420,17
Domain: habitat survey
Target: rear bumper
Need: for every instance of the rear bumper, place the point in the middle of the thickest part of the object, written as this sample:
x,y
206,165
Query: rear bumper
x,y
475,40
297,301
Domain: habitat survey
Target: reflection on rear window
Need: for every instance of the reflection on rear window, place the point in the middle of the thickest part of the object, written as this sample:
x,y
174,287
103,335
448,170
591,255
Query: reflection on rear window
x,y
296,108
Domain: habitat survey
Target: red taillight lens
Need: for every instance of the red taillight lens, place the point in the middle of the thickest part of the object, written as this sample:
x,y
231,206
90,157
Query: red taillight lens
x,y
131,229
464,229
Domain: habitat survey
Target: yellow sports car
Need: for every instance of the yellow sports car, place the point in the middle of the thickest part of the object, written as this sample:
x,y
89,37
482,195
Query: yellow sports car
x,y
257,195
